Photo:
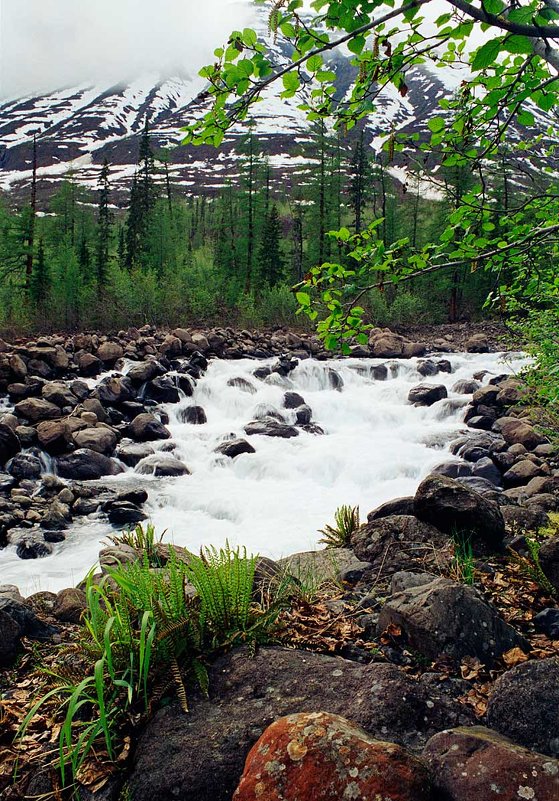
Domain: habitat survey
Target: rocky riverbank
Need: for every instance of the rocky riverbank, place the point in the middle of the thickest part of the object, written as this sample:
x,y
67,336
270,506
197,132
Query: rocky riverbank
x,y
412,669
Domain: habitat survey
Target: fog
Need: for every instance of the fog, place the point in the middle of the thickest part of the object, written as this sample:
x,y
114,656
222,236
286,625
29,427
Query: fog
x,y
50,44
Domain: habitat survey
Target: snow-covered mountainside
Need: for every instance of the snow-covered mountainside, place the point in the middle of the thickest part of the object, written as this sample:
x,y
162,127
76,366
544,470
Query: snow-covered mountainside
x,y
78,127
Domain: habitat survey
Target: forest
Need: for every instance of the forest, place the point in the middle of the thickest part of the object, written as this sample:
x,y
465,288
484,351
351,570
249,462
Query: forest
x,y
228,258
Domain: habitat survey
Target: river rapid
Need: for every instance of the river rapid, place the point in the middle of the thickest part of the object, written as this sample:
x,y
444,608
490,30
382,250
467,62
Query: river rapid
x,y
376,446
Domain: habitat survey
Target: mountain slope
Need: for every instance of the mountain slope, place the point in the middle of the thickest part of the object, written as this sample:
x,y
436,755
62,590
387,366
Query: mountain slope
x,y
77,128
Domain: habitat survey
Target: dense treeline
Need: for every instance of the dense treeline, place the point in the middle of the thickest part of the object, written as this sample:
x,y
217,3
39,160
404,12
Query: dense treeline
x,y
227,259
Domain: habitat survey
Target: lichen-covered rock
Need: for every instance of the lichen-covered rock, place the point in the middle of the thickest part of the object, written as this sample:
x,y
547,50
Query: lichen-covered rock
x,y
219,731
445,618
524,705
316,756
476,764
401,542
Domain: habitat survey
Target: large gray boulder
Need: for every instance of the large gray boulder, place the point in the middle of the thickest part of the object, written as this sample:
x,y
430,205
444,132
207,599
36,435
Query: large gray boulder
x,y
9,444
454,508
524,705
400,542
86,465
445,618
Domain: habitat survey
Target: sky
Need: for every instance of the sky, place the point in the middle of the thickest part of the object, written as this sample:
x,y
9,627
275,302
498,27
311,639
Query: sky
x,y
49,44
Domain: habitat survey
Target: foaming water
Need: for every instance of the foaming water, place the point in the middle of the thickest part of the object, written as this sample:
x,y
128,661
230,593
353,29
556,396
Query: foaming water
x,y
375,447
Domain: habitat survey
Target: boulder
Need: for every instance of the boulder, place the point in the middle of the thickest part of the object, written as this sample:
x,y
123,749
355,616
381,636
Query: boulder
x,y
477,343
453,507
271,428
445,618
110,352
53,436
549,559
386,345
162,390
86,465
398,506
9,443
89,365
219,731
124,514
427,394
524,705
101,439
133,452
317,756
427,368
36,409
515,431
521,473
146,428
292,400
465,386
234,447
18,620
400,542
58,393
25,466
115,390
194,415
476,764
145,371
69,605
171,346
161,464
547,621
243,384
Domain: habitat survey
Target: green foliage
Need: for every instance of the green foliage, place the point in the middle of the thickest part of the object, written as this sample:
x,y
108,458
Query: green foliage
x,y
144,540
146,630
463,562
532,569
346,522
541,331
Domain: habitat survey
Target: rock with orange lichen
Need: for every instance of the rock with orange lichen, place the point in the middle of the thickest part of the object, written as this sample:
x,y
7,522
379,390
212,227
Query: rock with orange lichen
x,y
316,756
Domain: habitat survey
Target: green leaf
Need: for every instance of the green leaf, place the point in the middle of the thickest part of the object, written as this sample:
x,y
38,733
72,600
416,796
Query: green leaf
x,y
436,124
493,6
487,54
518,44
314,63
357,44
249,37
303,298
291,82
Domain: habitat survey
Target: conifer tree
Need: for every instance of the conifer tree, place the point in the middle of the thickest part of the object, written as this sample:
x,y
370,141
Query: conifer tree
x,y
271,260
39,286
104,223
143,198
359,189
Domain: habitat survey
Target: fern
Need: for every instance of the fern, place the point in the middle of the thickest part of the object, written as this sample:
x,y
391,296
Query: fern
x,y
346,522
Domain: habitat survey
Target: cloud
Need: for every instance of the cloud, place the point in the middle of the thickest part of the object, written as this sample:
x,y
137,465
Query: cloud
x,y
49,44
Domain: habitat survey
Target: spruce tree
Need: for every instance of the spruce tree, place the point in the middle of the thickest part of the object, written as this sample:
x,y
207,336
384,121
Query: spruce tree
x,y
143,198
39,285
104,223
271,260
359,185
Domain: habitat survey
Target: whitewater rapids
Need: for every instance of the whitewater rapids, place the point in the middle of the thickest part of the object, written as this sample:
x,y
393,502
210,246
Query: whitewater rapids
x,y
376,447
